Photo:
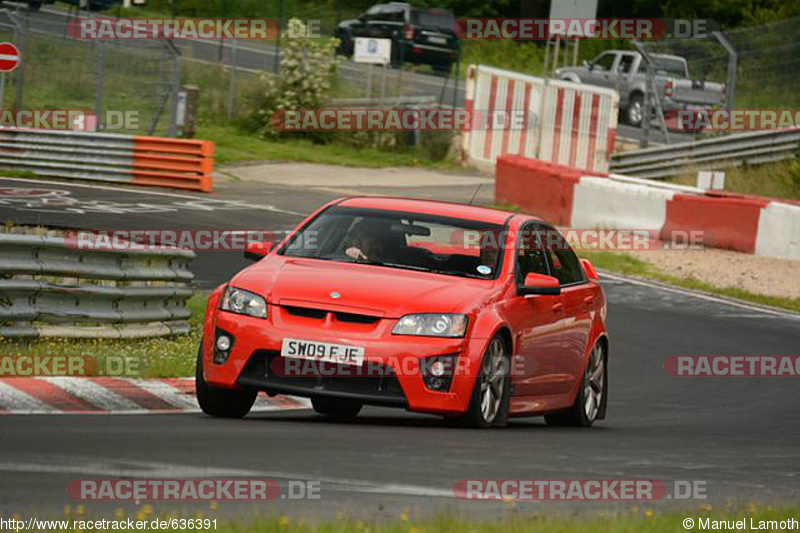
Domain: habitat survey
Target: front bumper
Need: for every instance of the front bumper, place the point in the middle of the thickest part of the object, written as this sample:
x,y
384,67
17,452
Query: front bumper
x,y
257,342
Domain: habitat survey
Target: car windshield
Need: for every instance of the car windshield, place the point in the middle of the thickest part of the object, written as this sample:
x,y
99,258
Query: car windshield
x,y
433,19
393,239
665,66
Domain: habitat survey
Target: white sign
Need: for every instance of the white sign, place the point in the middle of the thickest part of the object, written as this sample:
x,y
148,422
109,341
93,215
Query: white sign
x,y
711,181
564,12
370,50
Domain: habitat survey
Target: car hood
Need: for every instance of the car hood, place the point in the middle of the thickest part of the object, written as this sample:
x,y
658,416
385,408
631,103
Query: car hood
x,y
347,23
365,289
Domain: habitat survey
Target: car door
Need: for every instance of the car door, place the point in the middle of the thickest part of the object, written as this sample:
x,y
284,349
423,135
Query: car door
x,y
625,71
537,321
578,298
603,70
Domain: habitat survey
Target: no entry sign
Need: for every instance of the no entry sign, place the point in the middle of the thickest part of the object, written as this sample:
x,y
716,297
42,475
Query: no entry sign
x,y
9,57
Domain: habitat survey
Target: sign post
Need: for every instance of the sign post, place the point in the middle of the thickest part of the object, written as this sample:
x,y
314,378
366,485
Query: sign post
x,y
9,60
373,51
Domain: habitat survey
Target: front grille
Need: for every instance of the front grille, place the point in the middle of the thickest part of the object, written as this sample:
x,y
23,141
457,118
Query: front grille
x,y
355,318
306,312
383,388
320,314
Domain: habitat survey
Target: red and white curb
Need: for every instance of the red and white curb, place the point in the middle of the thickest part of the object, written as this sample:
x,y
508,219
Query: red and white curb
x,y
107,395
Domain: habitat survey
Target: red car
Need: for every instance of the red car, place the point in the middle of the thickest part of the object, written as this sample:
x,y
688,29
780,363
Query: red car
x,y
441,308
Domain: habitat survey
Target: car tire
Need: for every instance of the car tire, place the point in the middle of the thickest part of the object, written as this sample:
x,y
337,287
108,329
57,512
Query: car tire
x,y
590,402
339,408
492,379
219,402
443,68
634,113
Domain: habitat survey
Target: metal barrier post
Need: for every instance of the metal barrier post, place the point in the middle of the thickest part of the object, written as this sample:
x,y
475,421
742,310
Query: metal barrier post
x,y
98,95
733,60
175,88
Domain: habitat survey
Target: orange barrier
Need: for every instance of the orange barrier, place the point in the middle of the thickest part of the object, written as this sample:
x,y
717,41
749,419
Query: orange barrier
x,y
175,163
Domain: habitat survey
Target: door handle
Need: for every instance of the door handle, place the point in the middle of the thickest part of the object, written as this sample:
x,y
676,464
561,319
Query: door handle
x,y
589,300
557,308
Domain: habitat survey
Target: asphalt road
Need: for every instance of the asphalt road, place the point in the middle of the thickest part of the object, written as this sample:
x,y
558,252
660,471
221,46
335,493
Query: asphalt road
x,y
737,435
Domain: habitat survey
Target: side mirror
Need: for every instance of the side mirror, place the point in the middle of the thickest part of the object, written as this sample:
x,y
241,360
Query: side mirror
x,y
588,267
540,284
257,250
587,64
362,17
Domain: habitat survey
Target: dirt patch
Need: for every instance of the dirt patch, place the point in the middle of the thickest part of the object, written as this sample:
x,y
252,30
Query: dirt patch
x,y
722,268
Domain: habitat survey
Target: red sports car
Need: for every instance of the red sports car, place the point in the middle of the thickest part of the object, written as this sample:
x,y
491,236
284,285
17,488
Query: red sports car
x,y
449,309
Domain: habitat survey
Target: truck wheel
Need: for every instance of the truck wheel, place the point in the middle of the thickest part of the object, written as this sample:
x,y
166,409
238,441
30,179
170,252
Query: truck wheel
x,y
635,111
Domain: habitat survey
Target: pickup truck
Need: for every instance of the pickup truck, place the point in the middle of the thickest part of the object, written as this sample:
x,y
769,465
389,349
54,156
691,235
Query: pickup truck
x,y
627,72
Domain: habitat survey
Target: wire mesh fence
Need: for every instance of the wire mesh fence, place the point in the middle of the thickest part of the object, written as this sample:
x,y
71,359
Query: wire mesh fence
x,y
765,59
130,85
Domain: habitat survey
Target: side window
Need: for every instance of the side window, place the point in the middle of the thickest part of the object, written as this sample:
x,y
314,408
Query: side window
x,y
565,264
372,13
530,253
604,62
393,14
625,63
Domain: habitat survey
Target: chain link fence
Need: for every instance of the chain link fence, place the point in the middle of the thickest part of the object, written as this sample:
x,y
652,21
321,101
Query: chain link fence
x,y
110,78
760,65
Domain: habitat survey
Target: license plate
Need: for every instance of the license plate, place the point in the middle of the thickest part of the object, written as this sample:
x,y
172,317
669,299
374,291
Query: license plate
x,y
437,40
342,354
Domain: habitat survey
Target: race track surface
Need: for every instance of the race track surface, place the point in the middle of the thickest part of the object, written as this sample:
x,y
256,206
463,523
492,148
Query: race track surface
x,y
738,435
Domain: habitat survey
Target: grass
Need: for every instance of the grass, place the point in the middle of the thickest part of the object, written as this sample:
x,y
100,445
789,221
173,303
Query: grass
x,y
233,145
774,180
159,357
625,264
634,520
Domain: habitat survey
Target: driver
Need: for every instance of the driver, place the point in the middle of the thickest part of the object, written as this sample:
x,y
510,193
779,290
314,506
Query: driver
x,y
364,242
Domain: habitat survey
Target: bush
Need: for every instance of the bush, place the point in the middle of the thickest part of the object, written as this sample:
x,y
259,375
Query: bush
x,y
308,69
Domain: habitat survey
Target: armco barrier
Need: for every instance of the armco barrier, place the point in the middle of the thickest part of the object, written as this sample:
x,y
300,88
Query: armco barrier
x,y
139,160
51,289
576,124
752,148
561,196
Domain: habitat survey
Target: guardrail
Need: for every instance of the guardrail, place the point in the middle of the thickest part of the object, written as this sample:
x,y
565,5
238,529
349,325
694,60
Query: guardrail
x,y
731,150
50,288
134,159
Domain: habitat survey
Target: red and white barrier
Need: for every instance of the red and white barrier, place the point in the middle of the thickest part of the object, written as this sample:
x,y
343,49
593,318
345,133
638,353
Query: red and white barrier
x,y
112,395
563,196
566,123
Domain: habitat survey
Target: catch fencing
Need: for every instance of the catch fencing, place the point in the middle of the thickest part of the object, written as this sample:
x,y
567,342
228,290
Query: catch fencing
x,y
760,65
134,159
103,76
50,288
565,123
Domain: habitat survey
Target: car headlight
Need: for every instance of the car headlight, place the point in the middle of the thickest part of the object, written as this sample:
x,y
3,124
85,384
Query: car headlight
x,y
243,303
432,325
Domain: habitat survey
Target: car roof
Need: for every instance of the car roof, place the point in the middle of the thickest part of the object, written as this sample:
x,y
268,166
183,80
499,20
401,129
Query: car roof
x,y
429,207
